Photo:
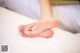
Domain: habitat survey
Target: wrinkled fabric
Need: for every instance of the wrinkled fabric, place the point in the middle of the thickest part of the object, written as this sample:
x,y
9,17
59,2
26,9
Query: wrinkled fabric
x,y
28,8
67,15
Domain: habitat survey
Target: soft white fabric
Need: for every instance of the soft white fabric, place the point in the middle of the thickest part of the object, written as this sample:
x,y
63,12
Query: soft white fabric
x,y
67,15
26,7
61,42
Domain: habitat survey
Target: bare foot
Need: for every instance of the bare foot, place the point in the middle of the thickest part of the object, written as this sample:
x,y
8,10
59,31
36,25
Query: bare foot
x,y
43,25
38,29
26,31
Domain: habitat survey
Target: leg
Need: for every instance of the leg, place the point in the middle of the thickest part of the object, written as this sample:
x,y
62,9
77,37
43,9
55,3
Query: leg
x,y
19,22
61,42
25,7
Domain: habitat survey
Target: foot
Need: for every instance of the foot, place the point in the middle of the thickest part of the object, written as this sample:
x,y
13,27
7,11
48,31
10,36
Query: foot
x,y
38,29
43,25
25,31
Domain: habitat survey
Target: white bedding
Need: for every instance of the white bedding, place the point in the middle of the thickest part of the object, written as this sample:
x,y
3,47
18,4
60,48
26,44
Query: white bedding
x,y
61,42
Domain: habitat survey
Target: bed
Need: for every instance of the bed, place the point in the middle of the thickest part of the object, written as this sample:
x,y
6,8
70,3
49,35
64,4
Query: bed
x,y
61,42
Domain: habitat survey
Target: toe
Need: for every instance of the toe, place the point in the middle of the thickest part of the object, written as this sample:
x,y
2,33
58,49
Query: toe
x,y
28,27
21,27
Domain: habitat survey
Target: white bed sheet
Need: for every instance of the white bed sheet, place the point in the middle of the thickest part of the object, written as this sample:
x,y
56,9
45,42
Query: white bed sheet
x,y
61,42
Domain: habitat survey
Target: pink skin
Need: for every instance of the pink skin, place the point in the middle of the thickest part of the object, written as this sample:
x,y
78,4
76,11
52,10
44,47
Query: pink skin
x,y
38,29
42,25
26,31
